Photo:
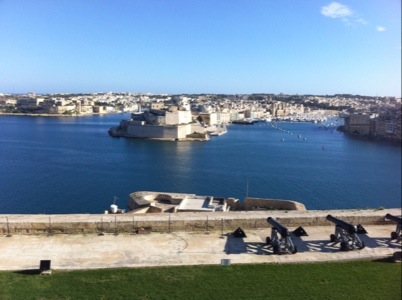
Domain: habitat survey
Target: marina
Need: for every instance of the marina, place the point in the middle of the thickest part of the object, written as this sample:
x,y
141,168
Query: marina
x,y
246,121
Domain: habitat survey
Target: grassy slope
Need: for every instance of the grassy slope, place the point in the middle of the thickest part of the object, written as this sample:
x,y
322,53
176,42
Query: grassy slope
x,y
359,280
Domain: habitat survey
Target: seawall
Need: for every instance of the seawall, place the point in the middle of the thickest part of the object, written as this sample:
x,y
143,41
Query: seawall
x,y
190,222
270,204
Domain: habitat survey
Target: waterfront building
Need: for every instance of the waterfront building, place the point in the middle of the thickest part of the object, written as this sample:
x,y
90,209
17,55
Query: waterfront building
x,y
234,116
165,124
209,119
358,124
383,126
387,127
175,117
61,109
157,105
223,117
99,109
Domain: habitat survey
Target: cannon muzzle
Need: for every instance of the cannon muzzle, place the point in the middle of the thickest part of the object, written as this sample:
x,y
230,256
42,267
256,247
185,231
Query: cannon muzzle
x,y
350,228
394,218
283,231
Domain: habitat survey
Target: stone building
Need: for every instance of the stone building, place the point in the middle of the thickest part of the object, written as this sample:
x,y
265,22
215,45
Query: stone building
x,y
172,124
387,127
384,126
358,124
209,118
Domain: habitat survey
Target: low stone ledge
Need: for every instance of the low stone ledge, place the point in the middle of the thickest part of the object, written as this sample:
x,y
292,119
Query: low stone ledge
x,y
271,204
197,222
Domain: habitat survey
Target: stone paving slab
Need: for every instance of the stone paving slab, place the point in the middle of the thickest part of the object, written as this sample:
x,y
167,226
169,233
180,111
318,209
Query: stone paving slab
x,y
68,252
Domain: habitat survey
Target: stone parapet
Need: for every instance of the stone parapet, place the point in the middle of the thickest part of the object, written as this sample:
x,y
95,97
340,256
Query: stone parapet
x,y
271,204
190,222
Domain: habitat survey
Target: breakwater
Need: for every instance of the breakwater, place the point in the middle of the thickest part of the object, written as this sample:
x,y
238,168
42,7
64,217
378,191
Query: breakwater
x,y
189,222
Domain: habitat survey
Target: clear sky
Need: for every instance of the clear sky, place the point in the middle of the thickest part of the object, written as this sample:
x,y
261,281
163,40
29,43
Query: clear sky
x,y
201,46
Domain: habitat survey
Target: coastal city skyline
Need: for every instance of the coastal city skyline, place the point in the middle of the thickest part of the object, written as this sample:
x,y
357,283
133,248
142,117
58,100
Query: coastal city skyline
x,y
314,47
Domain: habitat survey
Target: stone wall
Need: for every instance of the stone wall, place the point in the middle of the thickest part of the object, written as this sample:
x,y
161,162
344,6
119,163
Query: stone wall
x,y
158,132
270,204
152,131
192,222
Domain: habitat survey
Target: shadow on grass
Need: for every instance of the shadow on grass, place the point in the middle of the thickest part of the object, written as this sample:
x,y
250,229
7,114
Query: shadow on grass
x,y
384,260
395,258
28,272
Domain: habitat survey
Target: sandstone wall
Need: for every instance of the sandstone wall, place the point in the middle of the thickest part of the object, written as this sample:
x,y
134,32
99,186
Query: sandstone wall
x,y
151,131
197,222
271,204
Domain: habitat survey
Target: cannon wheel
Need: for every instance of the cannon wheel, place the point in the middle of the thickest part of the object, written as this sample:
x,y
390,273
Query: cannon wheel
x,y
344,246
276,249
394,235
268,240
332,238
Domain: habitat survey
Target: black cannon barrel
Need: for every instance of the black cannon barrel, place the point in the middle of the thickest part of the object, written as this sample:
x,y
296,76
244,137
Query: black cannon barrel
x,y
350,228
394,218
283,231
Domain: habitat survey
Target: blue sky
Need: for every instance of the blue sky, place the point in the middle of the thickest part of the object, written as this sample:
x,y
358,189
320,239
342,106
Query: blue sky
x,y
201,46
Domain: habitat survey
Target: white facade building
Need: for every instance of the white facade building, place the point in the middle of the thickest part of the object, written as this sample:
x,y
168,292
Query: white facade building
x,y
178,117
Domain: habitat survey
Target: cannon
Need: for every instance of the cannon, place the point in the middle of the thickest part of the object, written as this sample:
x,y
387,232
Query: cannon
x,y
397,233
282,244
346,234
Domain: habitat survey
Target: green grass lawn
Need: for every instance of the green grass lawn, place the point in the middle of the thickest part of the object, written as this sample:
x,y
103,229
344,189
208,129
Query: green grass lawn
x,y
351,280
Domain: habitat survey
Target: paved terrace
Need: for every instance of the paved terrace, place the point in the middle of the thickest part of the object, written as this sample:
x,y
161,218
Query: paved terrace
x,y
174,245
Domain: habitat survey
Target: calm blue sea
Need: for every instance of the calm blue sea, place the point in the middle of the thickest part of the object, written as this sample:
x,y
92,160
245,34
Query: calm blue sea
x,y
71,165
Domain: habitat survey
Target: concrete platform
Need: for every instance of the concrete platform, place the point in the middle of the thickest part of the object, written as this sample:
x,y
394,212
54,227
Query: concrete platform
x,y
76,251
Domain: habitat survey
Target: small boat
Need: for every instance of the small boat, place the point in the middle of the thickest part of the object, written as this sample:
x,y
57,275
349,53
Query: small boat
x,y
247,121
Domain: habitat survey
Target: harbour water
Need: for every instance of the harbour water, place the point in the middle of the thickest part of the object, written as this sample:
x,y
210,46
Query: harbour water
x,y
71,165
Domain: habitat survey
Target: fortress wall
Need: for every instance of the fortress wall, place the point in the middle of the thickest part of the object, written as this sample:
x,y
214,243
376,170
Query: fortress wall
x,y
271,204
159,132
170,132
183,130
145,131
192,222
